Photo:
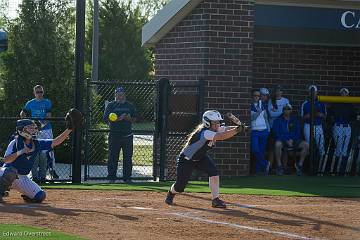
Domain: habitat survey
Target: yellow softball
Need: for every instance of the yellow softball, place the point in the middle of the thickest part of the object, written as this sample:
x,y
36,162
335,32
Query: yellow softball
x,y
113,117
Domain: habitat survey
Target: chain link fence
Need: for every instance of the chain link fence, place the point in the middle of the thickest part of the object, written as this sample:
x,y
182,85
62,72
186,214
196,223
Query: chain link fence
x,y
185,111
100,93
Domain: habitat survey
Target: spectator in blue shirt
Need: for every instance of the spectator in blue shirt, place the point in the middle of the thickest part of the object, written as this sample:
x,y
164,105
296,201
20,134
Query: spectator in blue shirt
x,y
342,114
40,108
287,134
320,115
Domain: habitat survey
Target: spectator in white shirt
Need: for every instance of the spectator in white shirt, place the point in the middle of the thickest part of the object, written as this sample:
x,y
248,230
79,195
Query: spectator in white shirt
x,y
276,105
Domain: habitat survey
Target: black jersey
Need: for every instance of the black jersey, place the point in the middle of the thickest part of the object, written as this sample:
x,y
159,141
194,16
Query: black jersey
x,y
198,144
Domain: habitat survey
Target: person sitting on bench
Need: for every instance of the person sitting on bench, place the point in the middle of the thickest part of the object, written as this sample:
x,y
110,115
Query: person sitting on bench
x,y
287,134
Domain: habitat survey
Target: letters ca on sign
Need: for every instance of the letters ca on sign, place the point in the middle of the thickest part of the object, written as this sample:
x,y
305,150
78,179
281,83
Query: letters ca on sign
x,y
350,19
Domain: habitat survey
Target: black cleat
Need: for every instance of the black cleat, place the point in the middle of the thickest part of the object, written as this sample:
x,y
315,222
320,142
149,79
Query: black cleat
x,y
169,198
218,203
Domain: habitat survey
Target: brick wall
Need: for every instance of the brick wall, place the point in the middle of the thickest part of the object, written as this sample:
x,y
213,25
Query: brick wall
x,y
295,67
214,43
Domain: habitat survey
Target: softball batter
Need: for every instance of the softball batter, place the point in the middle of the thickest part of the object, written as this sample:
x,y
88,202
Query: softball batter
x,y
194,155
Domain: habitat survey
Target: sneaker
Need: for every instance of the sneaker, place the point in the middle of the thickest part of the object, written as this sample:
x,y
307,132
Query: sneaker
x,y
218,203
298,169
3,193
169,198
280,171
53,174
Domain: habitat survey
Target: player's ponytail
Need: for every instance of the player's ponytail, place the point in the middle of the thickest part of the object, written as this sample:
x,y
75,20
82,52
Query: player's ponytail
x,y
196,129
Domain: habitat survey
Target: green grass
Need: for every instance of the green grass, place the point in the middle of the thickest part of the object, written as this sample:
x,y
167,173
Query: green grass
x,y
271,185
15,231
142,155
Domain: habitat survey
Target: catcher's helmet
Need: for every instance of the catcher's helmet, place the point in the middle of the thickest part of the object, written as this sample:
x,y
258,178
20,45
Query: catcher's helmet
x,y
26,128
211,115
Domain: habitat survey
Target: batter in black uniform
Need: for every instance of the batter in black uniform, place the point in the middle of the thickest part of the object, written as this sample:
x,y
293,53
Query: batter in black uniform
x,y
194,155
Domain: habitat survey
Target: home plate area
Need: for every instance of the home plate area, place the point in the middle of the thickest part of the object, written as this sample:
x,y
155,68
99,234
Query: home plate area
x,y
144,215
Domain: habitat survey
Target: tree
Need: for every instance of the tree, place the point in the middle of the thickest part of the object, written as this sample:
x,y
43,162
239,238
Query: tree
x,y
150,7
121,55
40,52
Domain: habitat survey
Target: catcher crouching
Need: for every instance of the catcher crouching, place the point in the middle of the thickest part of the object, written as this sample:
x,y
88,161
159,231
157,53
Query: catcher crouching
x,y
194,155
21,153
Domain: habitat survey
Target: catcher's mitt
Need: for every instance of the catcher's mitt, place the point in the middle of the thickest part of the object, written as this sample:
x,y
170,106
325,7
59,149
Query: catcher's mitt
x,y
74,119
241,126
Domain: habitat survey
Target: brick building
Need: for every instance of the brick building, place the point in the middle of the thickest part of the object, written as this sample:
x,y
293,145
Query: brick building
x,y
238,45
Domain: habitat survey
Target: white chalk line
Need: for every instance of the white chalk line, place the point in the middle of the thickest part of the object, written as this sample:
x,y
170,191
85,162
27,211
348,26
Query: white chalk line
x,y
280,205
234,225
201,219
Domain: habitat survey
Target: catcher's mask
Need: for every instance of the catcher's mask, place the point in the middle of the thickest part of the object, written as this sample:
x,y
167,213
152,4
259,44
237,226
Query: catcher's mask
x,y
211,115
27,128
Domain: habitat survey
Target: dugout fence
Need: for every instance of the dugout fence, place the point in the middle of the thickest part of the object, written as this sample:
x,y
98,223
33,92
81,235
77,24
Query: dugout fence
x,y
335,145
168,112
179,110
99,93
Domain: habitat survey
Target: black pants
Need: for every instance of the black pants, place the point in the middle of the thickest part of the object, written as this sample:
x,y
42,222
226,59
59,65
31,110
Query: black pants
x,y
185,167
116,144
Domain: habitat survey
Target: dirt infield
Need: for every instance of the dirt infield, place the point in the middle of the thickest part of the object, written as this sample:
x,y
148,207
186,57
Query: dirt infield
x,y
144,215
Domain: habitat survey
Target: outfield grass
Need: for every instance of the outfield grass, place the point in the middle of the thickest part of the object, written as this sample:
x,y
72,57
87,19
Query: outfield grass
x,y
15,231
270,185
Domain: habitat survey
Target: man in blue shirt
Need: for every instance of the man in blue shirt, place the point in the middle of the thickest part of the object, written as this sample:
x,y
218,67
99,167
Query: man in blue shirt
x,y
40,108
320,115
342,115
287,134
121,135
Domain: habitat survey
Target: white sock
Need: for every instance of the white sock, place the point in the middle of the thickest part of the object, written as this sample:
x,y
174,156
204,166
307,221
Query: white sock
x,y
214,186
172,189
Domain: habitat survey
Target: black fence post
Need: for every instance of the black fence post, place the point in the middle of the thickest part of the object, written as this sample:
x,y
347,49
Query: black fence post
x,y
162,122
312,137
87,128
79,87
